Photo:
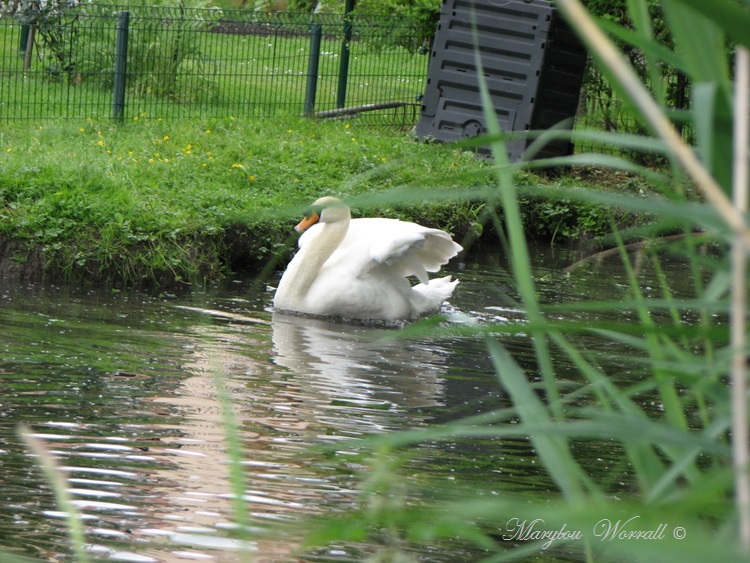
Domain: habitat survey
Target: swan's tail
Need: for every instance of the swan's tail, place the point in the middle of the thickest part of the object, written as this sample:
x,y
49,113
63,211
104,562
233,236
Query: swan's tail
x,y
433,295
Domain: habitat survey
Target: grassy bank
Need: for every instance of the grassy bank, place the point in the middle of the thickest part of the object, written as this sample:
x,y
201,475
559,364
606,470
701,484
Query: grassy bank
x,y
160,202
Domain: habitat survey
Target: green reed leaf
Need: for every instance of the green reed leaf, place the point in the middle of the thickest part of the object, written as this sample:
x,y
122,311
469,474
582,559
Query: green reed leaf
x,y
732,17
59,486
552,450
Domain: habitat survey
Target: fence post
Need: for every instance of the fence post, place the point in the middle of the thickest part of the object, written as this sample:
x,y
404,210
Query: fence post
x,y
29,48
316,32
121,64
344,59
24,39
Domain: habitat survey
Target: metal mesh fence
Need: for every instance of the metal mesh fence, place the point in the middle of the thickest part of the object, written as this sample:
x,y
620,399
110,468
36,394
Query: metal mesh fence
x,y
184,62
61,60
601,109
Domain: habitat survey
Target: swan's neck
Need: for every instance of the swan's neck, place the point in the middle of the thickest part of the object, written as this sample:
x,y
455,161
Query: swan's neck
x,y
314,254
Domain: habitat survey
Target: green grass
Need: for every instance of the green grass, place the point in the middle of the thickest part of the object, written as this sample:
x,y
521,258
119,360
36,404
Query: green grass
x,y
159,202
165,201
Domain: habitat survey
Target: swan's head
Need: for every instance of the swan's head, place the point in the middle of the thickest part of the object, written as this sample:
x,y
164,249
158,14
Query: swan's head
x,y
324,210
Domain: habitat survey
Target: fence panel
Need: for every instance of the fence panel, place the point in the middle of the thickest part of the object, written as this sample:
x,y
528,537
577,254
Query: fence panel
x,y
600,109
185,62
44,73
188,62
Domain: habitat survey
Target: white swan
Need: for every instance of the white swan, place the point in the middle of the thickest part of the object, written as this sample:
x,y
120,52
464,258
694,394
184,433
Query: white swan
x,y
358,268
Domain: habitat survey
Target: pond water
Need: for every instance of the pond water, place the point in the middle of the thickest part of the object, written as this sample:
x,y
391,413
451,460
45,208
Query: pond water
x,y
122,388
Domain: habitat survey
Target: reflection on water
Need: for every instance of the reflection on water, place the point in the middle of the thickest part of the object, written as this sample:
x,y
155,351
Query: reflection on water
x,y
122,388
360,366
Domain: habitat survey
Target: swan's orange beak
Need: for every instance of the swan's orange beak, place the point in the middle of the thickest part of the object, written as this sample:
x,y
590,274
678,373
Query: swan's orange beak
x,y
307,222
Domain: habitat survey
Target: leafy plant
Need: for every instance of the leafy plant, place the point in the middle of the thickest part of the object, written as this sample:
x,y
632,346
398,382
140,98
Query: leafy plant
x,y
163,51
52,22
422,15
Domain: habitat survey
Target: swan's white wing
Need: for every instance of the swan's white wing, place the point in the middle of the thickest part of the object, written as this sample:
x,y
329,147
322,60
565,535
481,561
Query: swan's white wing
x,y
438,249
409,248
401,250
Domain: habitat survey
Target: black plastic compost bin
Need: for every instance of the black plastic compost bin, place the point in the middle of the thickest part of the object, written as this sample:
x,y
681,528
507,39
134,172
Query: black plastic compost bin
x,y
533,64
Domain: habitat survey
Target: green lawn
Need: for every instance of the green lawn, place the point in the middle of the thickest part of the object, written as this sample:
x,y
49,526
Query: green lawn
x,y
178,200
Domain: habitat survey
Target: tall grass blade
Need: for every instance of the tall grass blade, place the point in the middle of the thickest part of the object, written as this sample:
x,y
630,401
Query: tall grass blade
x,y
668,394
646,463
738,319
704,60
627,36
639,14
707,66
237,479
730,15
60,488
553,450
519,251
668,478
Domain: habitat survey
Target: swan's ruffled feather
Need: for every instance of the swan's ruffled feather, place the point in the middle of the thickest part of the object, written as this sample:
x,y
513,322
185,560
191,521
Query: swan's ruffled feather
x,y
409,248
